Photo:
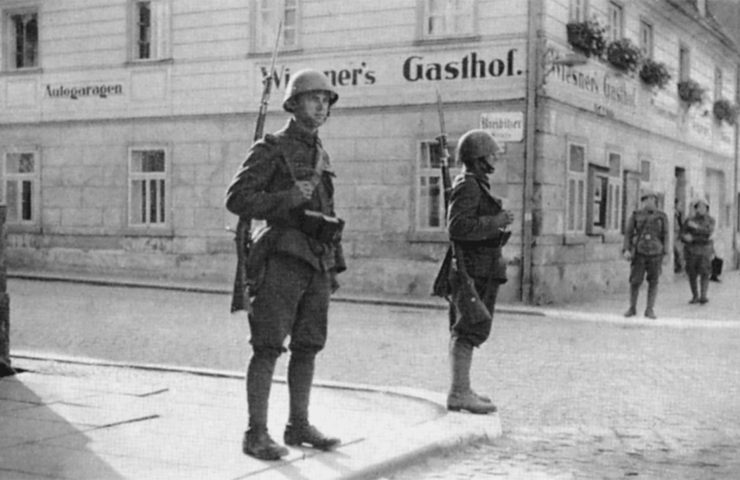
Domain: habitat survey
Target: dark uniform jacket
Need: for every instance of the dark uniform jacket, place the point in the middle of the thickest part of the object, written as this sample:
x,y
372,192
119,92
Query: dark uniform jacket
x,y
646,232
264,188
475,223
699,241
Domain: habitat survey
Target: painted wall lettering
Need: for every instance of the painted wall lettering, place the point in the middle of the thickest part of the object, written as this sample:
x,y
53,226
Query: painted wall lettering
x,y
470,66
73,93
343,77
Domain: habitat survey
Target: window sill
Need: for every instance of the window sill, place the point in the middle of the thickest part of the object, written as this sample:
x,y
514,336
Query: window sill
x,y
22,71
268,53
150,63
575,239
12,228
428,237
148,231
446,40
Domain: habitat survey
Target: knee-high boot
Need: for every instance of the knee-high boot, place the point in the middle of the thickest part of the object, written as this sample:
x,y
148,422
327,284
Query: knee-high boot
x,y
634,294
257,442
652,294
461,396
704,285
694,289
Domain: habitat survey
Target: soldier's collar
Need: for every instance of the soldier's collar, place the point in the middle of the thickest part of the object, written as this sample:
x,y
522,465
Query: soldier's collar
x,y
294,130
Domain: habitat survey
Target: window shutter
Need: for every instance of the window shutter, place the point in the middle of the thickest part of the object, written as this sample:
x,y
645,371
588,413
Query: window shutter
x,y
162,28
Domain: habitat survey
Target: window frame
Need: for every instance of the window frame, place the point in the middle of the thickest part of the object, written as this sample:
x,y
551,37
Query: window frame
x,y
577,212
34,223
615,32
422,171
266,46
647,45
718,82
684,62
132,176
160,36
8,38
579,10
424,21
610,213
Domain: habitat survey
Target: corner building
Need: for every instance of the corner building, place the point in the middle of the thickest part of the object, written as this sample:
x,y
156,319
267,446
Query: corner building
x,y
122,123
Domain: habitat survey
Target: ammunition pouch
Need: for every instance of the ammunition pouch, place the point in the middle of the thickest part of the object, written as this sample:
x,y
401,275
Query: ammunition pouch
x,y
324,228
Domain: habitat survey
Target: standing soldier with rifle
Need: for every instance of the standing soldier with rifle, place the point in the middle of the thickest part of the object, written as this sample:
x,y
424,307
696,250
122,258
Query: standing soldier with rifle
x,y
473,270
286,180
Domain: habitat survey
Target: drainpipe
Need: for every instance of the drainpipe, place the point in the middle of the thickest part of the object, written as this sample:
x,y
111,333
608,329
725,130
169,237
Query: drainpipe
x,y
5,368
534,54
736,210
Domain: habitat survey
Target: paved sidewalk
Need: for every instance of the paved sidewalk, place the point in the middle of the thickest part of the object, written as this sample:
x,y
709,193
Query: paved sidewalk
x,y
77,420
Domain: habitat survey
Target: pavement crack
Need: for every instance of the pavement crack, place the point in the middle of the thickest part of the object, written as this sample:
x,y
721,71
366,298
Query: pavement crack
x,y
125,422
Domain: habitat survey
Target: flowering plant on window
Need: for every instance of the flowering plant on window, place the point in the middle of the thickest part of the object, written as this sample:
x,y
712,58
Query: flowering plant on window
x,y
725,111
654,74
589,37
690,92
624,55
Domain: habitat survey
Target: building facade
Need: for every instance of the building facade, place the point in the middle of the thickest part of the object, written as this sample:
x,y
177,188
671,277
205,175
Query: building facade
x,y
123,121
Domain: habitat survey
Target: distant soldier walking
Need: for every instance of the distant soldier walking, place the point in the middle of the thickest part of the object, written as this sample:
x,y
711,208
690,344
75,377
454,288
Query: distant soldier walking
x,y
286,180
477,225
646,248
698,249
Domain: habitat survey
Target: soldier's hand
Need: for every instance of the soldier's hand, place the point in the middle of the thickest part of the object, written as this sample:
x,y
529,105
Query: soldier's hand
x,y
306,187
506,217
334,282
627,255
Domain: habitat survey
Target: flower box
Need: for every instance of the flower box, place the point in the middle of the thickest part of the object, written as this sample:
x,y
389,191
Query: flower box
x,y
588,37
654,74
725,111
624,55
690,92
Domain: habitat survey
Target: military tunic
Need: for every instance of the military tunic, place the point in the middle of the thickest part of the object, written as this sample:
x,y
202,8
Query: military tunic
x,y
475,222
646,237
292,296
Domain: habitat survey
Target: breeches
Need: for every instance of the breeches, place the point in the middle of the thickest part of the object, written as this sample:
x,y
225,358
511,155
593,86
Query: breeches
x,y
698,264
645,267
461,328
293,299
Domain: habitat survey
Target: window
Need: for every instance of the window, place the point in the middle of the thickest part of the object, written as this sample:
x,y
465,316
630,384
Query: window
x,y
21,187
646,39
615,21
448,18
430,209
645,171
269,14
717,83
150,29
578,10
22,39
684,63
576,208
147,187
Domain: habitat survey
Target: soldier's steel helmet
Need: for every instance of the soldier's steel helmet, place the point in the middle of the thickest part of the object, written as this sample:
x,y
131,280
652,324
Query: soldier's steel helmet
x,y
648,193
476,144
308,80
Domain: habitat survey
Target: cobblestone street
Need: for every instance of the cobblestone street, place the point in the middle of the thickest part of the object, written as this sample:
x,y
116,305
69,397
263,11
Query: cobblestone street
x,y
578,399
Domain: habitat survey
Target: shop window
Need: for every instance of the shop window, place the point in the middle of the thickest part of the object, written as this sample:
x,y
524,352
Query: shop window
x,y
268,15
147,187
576,191
578,10
150,29
430,208
22,40
646,39
445,18
21,187
615,21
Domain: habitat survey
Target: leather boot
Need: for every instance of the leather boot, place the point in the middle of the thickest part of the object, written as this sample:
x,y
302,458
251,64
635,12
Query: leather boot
x,y
652,294
300,378
704,285
259,380
461,396
694,290
634,294
258,444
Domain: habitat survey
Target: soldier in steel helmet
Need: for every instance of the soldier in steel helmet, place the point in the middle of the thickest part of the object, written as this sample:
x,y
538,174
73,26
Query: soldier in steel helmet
x,y
646,248
286,180
477,224
696,235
